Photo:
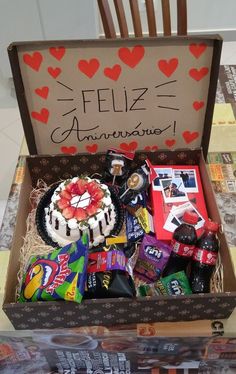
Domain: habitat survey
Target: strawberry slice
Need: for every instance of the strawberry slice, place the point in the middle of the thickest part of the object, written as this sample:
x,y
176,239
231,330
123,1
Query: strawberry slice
x,y
91,209
81,186
68,212
96,204
63,203
65,195
74,189
69,187
93,187
98,195
80,214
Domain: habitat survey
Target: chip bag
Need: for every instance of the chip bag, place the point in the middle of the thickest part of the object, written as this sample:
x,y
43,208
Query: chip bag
x,y
59,275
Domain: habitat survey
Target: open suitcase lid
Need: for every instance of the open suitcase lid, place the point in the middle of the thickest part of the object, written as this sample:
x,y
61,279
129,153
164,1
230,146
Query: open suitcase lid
x,y
147,93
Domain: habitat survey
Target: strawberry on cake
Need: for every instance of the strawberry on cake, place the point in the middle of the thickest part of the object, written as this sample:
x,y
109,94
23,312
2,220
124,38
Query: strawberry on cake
x,y
80,205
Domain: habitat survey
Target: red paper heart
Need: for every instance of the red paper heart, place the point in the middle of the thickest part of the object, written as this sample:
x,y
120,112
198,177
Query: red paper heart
x,y
90,67
54,72
69,150
92,148
197,49
197,105
131,57
113,73
41,116
57,52
198,74
190,136
168,67
42,92
132,146
151,148
34,60
170,142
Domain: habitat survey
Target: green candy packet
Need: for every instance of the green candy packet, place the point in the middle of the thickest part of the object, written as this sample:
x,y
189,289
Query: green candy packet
x,y
174,284
59,275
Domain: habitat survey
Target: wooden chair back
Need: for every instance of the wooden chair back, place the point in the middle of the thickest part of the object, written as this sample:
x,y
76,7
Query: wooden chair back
x,y
109,28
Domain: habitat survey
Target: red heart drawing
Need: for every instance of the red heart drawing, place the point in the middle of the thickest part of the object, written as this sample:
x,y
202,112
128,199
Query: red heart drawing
x,y
190,136
41,116
198,74
197,49
54,72
57,52
170,142
92,148
197,105
113,73
131,57
34,60
149,148
69,150
132,146
90,67
42,92
168,67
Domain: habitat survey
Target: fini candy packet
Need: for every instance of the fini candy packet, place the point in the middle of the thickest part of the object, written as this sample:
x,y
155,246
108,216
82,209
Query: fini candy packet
x,y
153,256
59,275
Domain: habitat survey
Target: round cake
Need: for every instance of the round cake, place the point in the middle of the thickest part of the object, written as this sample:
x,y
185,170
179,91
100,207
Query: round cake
x,y
80,205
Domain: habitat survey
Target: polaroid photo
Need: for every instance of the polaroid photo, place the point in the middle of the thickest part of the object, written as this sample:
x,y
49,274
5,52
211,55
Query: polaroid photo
x,y
189,179
173,190
178,213
162,173
171,223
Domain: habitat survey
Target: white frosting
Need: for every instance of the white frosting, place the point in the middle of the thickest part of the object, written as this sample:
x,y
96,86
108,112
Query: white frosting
x,y
64,231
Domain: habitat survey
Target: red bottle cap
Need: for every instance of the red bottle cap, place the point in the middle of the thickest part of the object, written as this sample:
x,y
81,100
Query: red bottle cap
x,y
190,217
211,226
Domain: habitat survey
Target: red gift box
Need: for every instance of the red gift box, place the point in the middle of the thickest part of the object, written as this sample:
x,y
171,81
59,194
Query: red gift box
x,y
189,196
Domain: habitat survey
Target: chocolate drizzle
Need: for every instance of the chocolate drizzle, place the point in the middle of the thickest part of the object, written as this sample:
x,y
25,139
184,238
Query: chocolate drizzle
x,y
109,213
50,221
91,235
56,224
100,227
67,230
81,233
106,219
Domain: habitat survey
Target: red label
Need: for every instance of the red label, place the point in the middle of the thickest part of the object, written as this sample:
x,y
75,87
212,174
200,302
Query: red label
x,y
181,249
105,261
205,257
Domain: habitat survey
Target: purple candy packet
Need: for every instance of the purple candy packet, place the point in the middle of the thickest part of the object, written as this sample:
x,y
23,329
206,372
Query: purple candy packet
x,y
153,256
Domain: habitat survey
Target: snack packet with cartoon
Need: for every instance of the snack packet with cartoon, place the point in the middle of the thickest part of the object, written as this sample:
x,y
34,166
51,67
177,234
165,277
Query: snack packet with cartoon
x,y
59,275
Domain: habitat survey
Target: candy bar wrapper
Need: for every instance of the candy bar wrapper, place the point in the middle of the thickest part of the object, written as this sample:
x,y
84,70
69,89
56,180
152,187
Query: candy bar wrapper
x,y
109,284
176,284
134,231
106,261
153,256
60,275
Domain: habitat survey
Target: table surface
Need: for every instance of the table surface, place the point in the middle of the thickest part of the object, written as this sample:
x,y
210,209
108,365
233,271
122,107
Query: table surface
x,y
222,171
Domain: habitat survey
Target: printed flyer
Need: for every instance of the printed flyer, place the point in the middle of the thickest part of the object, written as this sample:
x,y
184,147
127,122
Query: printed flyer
x,y
118,350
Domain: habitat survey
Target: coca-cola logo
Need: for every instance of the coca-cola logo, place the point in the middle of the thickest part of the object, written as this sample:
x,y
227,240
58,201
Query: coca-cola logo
x,y
153,252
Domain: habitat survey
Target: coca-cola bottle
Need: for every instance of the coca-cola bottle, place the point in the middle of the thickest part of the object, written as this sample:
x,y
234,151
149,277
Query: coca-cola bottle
x,y
204,258
183,244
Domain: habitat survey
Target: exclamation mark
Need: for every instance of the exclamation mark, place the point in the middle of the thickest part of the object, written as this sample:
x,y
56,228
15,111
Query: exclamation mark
x,y
174,128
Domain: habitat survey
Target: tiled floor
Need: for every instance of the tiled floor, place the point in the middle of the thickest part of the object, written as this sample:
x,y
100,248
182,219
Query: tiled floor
x,y
11,132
